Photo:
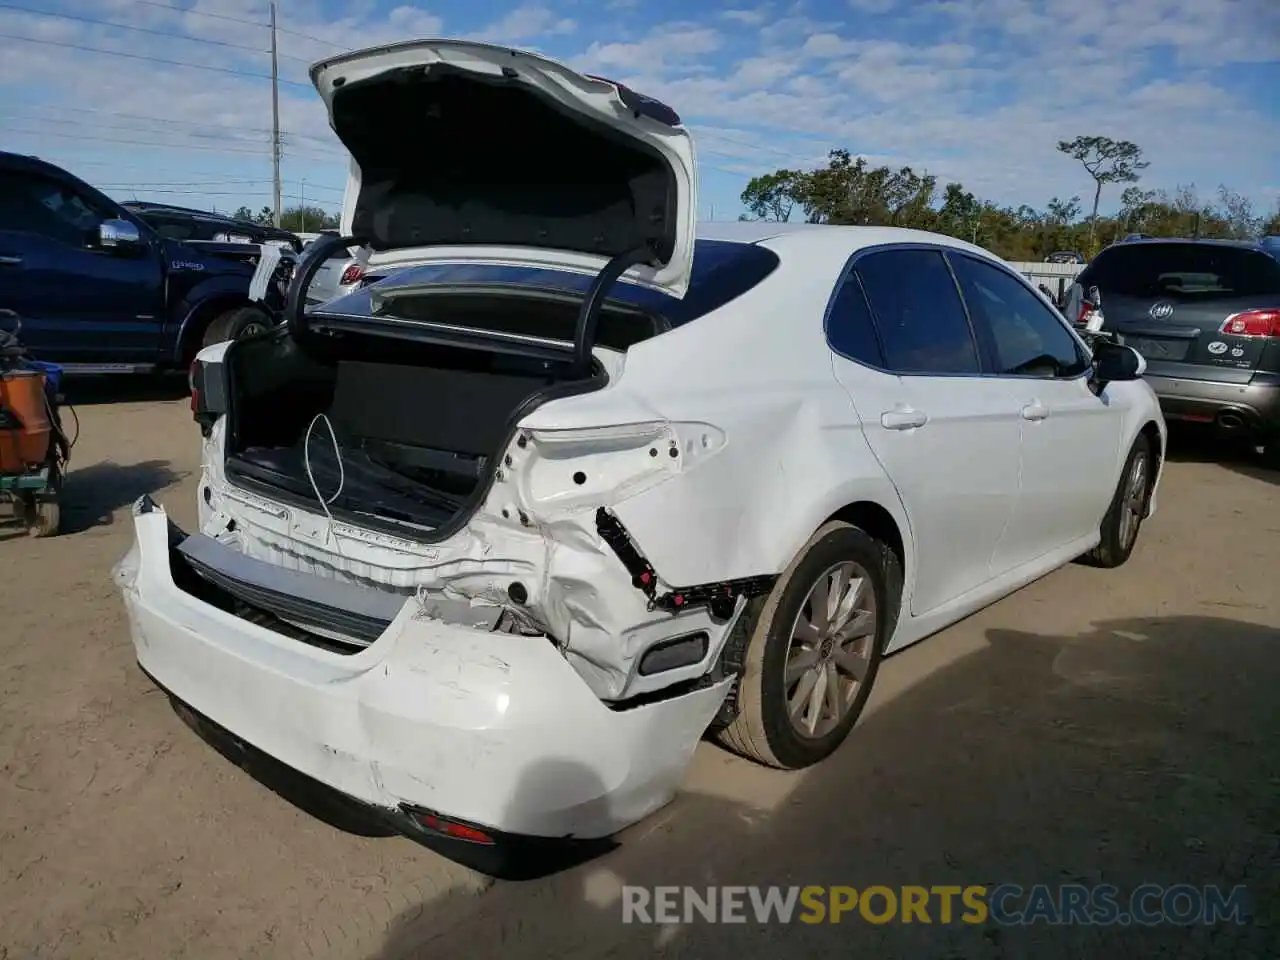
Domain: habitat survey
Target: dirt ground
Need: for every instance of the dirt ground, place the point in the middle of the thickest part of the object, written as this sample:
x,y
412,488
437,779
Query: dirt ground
x,y
1116,727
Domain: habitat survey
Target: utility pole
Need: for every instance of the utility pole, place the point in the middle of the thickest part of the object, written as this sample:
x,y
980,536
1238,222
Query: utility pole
x,y
275,116
302,205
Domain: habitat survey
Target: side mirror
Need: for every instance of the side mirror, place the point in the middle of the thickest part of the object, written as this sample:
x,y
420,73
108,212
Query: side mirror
x,y
118,235
1114,362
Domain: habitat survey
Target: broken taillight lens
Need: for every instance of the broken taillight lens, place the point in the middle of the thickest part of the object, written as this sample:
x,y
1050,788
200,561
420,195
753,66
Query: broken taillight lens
x,y
352,274
593,466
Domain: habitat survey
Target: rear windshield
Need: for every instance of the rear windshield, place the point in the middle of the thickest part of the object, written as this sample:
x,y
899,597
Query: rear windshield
x,y
1184,271
722,271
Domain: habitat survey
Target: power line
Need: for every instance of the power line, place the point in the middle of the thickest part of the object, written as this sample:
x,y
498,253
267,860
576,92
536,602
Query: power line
x,y
199,13
123,26
224,132
155,184
251,23
131,143
238,128
139,56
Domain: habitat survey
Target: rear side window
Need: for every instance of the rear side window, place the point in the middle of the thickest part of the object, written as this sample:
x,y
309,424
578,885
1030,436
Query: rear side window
x,y
1183,271
918,312
850,330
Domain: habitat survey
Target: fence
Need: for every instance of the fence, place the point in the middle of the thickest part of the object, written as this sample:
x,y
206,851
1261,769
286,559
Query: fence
x,y
1056,276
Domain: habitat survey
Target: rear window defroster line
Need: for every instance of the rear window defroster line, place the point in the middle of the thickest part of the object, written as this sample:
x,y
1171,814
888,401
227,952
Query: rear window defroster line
x,y
721,596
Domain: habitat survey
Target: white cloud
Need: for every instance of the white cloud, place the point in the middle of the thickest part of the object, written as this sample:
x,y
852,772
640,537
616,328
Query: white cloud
x,y
749,18
527,23
975,90
872,6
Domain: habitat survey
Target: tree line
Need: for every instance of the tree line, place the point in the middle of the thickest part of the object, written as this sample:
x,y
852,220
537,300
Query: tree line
x,y
848,190
297,219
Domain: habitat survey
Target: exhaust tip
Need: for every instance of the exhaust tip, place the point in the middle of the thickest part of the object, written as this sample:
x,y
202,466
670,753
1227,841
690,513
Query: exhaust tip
x,y
1230,421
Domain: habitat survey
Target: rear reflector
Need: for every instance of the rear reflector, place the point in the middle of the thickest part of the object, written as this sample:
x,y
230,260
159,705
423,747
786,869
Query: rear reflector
x,y
449,828
1253,323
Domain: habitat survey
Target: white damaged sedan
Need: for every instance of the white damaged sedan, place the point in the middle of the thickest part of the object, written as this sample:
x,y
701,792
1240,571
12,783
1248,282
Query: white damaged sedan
x,y
489,545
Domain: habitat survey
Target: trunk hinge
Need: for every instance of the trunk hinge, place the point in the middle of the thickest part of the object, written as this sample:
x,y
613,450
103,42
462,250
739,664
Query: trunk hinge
x,y
584,337
321,249
721,596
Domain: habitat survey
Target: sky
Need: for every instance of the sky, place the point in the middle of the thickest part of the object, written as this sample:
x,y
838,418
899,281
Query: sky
x,y
173,102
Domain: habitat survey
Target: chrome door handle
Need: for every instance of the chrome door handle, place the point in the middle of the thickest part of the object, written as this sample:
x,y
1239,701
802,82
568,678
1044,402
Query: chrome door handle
x,y
1035,410
8,261
903,419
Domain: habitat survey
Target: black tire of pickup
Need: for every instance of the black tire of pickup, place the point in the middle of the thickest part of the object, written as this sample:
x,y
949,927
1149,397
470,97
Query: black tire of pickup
x,y
236,323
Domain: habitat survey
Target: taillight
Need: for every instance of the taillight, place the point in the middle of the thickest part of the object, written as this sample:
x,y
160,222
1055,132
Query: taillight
x,y
1252,323
351,275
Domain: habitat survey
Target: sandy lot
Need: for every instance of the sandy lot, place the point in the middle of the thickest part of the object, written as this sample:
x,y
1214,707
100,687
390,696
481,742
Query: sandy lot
x,y
1115,727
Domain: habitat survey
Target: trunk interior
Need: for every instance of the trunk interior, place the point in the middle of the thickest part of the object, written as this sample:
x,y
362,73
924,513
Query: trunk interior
x,y
417,425
415,429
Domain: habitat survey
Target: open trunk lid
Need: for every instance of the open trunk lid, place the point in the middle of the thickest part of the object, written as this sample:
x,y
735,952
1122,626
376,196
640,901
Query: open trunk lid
x,y
466,151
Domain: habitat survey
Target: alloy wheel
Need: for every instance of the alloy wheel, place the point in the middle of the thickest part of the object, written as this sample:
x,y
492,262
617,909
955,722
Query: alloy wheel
x,y
829,655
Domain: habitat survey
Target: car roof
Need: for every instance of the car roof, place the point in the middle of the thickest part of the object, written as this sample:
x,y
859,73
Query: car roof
x,y
800,236
1205,241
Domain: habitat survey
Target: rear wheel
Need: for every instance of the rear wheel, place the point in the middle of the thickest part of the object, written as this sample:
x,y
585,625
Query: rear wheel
x,y
1128,507
237,323
814,650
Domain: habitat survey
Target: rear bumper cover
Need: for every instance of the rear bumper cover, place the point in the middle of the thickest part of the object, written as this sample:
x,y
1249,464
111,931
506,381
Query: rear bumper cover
x,y
493,729
1256,404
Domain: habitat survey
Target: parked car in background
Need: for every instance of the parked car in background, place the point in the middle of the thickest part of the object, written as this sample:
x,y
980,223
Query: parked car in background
x,y
338,276
1206,315
1065,256
1271,245
100,290
185,223
487,545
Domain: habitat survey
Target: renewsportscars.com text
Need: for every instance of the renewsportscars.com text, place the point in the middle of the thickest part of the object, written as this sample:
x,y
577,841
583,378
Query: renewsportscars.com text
x,y
1006,904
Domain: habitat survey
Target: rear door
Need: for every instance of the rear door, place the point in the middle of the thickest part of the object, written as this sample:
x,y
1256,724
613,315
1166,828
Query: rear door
x,y
1170,301
946,435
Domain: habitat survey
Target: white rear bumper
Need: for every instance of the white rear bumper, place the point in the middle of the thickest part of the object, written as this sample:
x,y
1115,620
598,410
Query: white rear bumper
x,y
496,729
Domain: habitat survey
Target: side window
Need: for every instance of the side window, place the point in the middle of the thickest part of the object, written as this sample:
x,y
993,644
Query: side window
x,y
918,312
42,206
170,229
850,331
1026,336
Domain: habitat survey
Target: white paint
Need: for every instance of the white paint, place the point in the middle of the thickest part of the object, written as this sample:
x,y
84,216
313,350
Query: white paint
x,y
772,433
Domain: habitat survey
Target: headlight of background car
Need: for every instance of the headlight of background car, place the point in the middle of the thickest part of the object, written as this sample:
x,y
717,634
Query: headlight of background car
x,y
572,470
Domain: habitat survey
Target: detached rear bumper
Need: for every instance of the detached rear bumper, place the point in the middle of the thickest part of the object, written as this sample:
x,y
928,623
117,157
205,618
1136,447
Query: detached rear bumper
x,y
1253,407
491,729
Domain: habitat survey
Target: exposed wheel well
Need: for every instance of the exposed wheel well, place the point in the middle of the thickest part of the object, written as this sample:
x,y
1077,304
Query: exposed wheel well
x,y
1152,433
876,521
193,331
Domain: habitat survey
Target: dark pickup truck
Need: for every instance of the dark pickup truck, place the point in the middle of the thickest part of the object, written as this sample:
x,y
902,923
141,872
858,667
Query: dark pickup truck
x,y
99,290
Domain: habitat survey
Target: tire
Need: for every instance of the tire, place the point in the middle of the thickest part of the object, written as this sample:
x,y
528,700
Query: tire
x,y
1128,506
763,728
236,323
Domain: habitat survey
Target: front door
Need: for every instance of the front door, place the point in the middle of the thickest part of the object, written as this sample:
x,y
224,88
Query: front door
x,y
946,436
77,302
1070,438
